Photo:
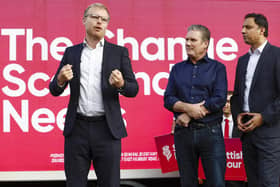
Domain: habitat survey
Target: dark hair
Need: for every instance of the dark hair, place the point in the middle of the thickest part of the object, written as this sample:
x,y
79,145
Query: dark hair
x,y
260,20
204,31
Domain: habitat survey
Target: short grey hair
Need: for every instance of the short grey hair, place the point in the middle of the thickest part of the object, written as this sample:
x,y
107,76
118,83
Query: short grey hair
x,y
97,5
204,31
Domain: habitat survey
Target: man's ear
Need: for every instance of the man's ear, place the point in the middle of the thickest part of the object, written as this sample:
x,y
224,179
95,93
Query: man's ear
x,y
262,30
206,43
84,20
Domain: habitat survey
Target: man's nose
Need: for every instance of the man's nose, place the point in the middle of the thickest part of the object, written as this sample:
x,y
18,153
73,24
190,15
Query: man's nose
x,y
99,19
243,30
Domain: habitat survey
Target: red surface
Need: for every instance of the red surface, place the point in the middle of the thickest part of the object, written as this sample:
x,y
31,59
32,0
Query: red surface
x,y
235,167
29,143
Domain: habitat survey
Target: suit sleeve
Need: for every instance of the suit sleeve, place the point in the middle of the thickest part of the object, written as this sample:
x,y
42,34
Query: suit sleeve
x,y
55,89
271,112
130,88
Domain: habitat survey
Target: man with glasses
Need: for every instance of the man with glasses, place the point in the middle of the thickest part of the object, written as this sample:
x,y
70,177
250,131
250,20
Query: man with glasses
x,y
97,72
196,93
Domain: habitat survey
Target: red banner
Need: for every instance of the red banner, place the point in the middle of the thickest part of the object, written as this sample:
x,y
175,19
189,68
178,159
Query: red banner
x,y
166,153
235,167
34,35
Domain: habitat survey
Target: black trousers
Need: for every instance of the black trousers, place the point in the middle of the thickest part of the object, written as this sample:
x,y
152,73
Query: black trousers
x,y
91,141
261,159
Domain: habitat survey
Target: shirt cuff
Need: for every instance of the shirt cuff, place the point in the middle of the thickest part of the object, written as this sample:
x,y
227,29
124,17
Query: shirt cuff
x,y
61,86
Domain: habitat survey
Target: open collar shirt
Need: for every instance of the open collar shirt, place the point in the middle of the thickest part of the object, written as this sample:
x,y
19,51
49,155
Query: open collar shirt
x,y
193,83
91,100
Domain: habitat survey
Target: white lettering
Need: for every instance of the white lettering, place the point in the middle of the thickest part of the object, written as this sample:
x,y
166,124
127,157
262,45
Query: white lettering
x,y
156,80
39,117
221,49
147,82
55,48
30,41
31,84
9,111
12,33
123,112
20,83
159,55
234,164
171,47
60,119
35,120
210,51
132,41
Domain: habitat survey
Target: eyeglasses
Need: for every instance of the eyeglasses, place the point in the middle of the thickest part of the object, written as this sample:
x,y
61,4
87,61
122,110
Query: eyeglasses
x,y
96,17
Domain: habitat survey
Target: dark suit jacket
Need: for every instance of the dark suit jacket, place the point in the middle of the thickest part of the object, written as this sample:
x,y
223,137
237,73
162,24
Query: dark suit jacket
x,y
264,96
114,57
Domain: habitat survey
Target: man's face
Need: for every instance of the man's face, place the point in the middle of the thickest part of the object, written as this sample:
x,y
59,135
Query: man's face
x,y
251,32
96,22
226,108
195,46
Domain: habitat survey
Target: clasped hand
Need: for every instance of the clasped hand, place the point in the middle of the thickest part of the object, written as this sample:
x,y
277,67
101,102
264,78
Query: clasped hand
x,y
195,111
249,121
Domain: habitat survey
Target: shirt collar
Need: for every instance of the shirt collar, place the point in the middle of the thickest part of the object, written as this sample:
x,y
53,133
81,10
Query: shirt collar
x,y
99,44
229,118
258,50
204,59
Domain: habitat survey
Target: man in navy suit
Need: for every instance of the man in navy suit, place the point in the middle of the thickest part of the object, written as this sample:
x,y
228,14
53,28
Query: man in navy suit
x,y
97,72
255,104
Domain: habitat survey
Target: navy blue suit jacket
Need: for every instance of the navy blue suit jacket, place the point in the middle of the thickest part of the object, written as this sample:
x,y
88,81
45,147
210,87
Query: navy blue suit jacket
x,y
264,96
114,57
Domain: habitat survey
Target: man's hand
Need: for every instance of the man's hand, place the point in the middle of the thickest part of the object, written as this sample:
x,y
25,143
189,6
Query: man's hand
x,y
65,74
173,127
247,126
204,110
116,79
196,111
183,119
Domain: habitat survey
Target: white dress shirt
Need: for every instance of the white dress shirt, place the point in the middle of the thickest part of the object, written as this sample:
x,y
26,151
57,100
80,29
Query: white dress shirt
x,y
252,64
91,100
230,121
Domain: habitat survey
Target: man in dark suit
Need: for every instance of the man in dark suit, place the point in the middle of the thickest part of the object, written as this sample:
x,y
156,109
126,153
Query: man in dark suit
x,y
97,72
255,104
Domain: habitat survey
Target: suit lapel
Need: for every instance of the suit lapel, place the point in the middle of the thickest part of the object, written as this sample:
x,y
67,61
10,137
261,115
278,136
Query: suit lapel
x,y
77,59
105,56
243,70
105,61
260,65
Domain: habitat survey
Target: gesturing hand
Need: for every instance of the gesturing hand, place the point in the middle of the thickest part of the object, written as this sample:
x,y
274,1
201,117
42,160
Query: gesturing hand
x,y
65,74
116,79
